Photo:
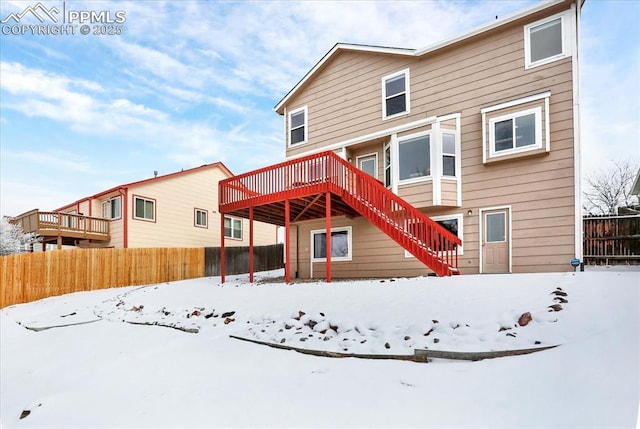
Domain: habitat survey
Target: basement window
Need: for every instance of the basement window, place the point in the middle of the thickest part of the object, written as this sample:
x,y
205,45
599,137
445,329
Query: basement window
x,y
452,223
340,244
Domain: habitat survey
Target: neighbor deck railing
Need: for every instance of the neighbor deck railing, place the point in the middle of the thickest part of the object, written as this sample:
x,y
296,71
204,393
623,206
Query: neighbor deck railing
x,y
62,224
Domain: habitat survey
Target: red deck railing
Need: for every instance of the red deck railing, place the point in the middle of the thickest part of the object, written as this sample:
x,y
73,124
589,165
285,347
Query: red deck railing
x,y
429,242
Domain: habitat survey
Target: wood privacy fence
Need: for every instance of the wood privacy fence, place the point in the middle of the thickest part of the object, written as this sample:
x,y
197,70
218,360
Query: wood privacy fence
x,y
237,259
28,277
611,240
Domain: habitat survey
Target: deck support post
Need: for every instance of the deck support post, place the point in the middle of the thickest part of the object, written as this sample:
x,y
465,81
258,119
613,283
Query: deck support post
x,y
328,236
251,244
222,261
59,242
287,242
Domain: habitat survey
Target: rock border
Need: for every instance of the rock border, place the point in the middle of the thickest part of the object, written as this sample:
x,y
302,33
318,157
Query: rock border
x,y
419,355
324,353
476,356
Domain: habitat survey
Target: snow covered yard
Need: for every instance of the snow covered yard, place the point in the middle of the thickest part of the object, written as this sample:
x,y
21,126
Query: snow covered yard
x,y
101,372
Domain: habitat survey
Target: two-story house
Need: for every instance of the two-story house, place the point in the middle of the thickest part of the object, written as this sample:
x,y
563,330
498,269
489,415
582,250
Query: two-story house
x,y
478,133
172,210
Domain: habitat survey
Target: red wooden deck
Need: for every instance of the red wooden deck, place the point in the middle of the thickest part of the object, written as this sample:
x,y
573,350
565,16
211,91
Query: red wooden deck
x,y
324,185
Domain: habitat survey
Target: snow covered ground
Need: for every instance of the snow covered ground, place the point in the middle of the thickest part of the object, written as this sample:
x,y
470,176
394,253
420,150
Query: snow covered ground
x,y
119,362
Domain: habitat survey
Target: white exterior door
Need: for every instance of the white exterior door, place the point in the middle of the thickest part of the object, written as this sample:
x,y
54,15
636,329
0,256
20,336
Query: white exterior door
x,y
495,241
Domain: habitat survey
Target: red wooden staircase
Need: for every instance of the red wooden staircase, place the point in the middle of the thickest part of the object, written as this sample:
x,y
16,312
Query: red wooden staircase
x,y
263,194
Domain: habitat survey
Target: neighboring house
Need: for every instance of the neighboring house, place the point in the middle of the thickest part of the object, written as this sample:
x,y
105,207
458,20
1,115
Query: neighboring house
x,y
635,188
480,133
174,210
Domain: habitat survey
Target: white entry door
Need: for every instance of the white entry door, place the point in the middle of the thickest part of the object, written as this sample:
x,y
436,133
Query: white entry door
x,y
495,241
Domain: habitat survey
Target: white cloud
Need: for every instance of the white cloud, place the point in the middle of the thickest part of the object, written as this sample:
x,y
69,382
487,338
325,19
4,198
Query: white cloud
x,y
194,82
57,159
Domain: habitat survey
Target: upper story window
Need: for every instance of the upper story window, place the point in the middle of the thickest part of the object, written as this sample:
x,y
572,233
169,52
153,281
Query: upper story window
x,y
233,228
387,165
516,128
515,132
448,154
144,208
112,209
395,94
414,157
368,164
545,41
298,126
200,218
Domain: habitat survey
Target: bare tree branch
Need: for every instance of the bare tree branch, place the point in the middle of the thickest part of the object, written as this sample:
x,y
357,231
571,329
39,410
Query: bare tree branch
x,y
609,189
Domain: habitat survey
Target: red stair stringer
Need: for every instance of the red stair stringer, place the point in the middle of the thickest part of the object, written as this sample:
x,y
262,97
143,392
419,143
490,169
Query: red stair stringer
x,y
429,242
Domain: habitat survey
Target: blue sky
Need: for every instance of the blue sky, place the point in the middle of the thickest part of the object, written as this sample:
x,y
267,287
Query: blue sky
x,y
194,82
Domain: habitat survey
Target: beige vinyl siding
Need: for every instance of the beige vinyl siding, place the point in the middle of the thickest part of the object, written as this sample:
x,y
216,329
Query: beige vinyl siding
x,y
374,255
417,194
83,207
117,233
369,149
449,192
344,102
116,226
175,201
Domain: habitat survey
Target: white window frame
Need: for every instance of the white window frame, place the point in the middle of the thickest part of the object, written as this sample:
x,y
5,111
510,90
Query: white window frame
x,y
481,213
195,218
234,219
137,197
456,157
349,256
407,87
460,218
387,165
566,51
306,126
486,232
537,112
107,208
544,96
431,157
373,155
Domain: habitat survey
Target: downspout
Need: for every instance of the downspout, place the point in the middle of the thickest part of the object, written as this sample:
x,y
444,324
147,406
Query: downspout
x,y
577,155
125,217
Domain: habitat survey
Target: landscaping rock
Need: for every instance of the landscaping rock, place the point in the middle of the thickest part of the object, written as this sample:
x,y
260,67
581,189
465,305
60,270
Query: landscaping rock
x,y
524,319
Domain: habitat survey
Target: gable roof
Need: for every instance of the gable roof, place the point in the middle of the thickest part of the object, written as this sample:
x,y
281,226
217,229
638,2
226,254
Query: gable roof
x,y
340,47
219,165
